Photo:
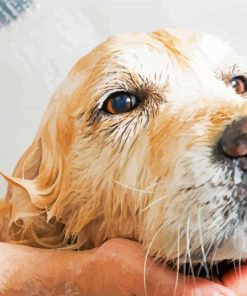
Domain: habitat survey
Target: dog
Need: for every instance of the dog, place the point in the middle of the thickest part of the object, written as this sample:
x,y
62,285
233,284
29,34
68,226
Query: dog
x,y
145,139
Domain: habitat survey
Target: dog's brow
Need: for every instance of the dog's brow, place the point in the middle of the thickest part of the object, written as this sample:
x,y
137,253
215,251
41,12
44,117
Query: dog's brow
x,y
172,45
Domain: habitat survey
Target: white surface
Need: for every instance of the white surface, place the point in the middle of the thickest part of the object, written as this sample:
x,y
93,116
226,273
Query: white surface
x,y
38,50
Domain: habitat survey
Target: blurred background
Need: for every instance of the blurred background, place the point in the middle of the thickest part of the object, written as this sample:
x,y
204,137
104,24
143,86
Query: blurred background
x,y
40,40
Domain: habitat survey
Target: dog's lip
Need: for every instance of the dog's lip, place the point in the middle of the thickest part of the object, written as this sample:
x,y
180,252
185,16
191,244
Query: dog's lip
x,y
211,271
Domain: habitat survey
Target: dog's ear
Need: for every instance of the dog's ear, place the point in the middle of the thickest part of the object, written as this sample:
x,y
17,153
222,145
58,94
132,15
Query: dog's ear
x,y
36,181
39,190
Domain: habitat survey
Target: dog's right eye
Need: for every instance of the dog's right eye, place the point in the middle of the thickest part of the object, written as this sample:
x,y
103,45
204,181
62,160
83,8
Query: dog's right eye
x,y
239,83
120,102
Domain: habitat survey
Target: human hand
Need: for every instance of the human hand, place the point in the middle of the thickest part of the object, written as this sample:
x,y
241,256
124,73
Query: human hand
x,y
115,268
123,264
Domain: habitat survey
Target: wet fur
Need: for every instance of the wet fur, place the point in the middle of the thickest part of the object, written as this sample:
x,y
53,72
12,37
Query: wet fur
x,y
89,176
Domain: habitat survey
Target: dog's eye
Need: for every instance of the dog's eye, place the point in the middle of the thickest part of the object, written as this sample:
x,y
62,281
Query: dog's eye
x,y
120,102
239,83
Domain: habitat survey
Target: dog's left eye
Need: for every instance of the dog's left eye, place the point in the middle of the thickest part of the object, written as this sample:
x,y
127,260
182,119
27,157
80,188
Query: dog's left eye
x,y
239,83
120,102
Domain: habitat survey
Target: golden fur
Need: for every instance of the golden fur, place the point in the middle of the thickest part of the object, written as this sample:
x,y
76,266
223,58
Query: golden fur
x,y
82,181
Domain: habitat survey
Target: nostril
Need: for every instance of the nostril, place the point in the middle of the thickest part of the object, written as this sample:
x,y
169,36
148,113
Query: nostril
x,y
234,148
234,139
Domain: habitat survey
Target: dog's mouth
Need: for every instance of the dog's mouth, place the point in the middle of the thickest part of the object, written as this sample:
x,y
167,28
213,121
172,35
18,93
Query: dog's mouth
x,y
210,271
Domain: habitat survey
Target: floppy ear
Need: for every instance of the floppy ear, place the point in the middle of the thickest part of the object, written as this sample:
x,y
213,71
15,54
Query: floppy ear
x,y
36,182
39,193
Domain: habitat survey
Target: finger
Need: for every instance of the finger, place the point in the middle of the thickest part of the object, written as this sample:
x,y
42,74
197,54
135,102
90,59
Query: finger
x,y
236,280
151,279
166,282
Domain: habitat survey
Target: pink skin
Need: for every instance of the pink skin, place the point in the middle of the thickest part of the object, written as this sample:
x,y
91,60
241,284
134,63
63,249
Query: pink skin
x,y
237,281
115,268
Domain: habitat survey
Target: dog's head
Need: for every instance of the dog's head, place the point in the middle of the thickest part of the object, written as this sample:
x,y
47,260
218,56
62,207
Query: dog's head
x,y
145,139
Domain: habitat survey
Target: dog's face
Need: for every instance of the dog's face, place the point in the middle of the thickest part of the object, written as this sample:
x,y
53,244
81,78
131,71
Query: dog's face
x,y
149,133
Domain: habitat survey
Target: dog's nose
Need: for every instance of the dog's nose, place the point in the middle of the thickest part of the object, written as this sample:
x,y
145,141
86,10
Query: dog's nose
x,y
234,139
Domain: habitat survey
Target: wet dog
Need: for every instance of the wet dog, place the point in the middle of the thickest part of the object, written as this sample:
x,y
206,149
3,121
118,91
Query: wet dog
x,y
146,139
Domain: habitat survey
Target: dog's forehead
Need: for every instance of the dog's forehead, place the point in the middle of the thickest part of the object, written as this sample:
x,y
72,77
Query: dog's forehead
x,y
214,49
156,50
168,58
136,53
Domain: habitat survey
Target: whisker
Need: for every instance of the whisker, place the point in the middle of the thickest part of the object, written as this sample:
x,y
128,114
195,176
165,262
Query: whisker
x,y
133,188
234,267
153,203
178,254
201,243
212,260
184,265
239,264
205,262
146,258
188,249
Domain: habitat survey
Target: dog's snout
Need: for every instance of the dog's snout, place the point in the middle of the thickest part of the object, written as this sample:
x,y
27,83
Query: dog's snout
x,y
234,139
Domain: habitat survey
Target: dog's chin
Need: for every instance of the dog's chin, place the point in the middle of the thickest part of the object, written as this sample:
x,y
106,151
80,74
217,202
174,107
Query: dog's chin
x,y
229,253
